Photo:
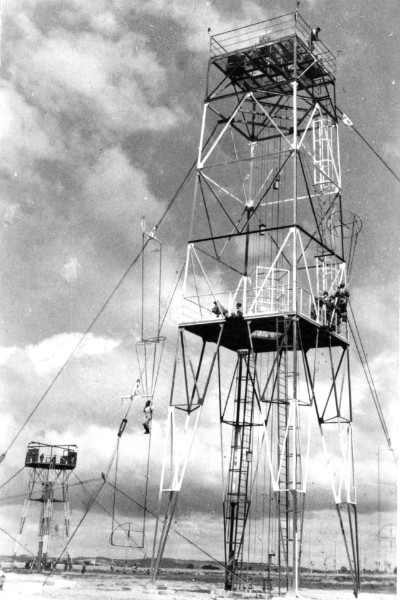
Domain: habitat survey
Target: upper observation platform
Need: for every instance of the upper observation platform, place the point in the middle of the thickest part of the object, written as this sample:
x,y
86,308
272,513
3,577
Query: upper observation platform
x,y
264,55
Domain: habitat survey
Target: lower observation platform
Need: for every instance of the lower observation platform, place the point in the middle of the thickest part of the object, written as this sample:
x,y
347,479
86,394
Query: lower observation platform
x,y
64,464
44,456
266,331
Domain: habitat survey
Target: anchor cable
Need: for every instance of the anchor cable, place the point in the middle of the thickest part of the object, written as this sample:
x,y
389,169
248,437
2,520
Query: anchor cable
x,y
353,128
364,363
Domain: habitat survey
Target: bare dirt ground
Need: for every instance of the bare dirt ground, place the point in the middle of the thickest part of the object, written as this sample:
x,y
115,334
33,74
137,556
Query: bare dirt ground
x,y
112,586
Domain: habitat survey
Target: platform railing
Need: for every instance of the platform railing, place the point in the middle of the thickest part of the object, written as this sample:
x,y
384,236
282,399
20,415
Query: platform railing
x,y
316,310
252,35
270,31
273,300
39,459
305,304
199,308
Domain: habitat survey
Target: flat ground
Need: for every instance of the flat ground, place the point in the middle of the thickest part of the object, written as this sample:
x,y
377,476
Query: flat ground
x,y
95,585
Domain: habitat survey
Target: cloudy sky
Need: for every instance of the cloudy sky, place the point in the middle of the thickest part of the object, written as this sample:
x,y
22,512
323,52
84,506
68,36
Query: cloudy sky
x,y
101,105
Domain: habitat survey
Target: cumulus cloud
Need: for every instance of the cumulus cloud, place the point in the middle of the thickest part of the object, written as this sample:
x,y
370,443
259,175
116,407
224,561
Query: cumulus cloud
x,y
81,82
70,269
117,79
392,149
49,355
22,130
5,353
198,17
116,191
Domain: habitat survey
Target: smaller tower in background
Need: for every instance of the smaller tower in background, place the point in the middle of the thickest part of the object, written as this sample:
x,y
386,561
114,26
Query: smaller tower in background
x,y
49,468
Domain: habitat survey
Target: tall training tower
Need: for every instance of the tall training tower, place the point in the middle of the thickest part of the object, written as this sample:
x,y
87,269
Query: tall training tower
x,y
268,239
49,468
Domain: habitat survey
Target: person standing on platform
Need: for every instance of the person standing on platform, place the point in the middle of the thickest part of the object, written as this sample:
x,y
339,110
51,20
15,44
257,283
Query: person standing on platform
x,y
314,36
342,297
327,303
239,312
217,309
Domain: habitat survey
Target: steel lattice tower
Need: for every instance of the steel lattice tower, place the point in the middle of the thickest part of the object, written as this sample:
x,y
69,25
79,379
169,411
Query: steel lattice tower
x,y
49,468
267,240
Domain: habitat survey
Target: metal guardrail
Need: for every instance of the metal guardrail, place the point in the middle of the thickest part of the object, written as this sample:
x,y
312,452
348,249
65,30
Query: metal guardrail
x,y
272,300
275,300
268,32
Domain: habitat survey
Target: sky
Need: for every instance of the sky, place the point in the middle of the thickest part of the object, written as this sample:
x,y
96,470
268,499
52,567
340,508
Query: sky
x,y
101,105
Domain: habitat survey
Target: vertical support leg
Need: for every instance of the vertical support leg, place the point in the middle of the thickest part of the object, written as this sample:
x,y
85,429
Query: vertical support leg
x,y
179,469
65,495
41,535
342,480
173,497
24,515
352,550
45,523
66,507
179,464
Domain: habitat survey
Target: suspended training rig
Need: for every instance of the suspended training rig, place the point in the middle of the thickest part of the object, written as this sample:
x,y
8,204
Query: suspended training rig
x,y
267,240
49,469
149,350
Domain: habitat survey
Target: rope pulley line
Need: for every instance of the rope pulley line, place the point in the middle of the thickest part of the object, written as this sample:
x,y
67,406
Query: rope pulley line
x,y
350,125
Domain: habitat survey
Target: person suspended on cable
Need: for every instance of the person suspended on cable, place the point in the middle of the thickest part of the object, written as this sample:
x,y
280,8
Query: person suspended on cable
x,y
342,297
148,415
218,309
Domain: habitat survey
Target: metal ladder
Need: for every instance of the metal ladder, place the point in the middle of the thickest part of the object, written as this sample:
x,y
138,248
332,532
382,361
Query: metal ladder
x,y
282,496
237,497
